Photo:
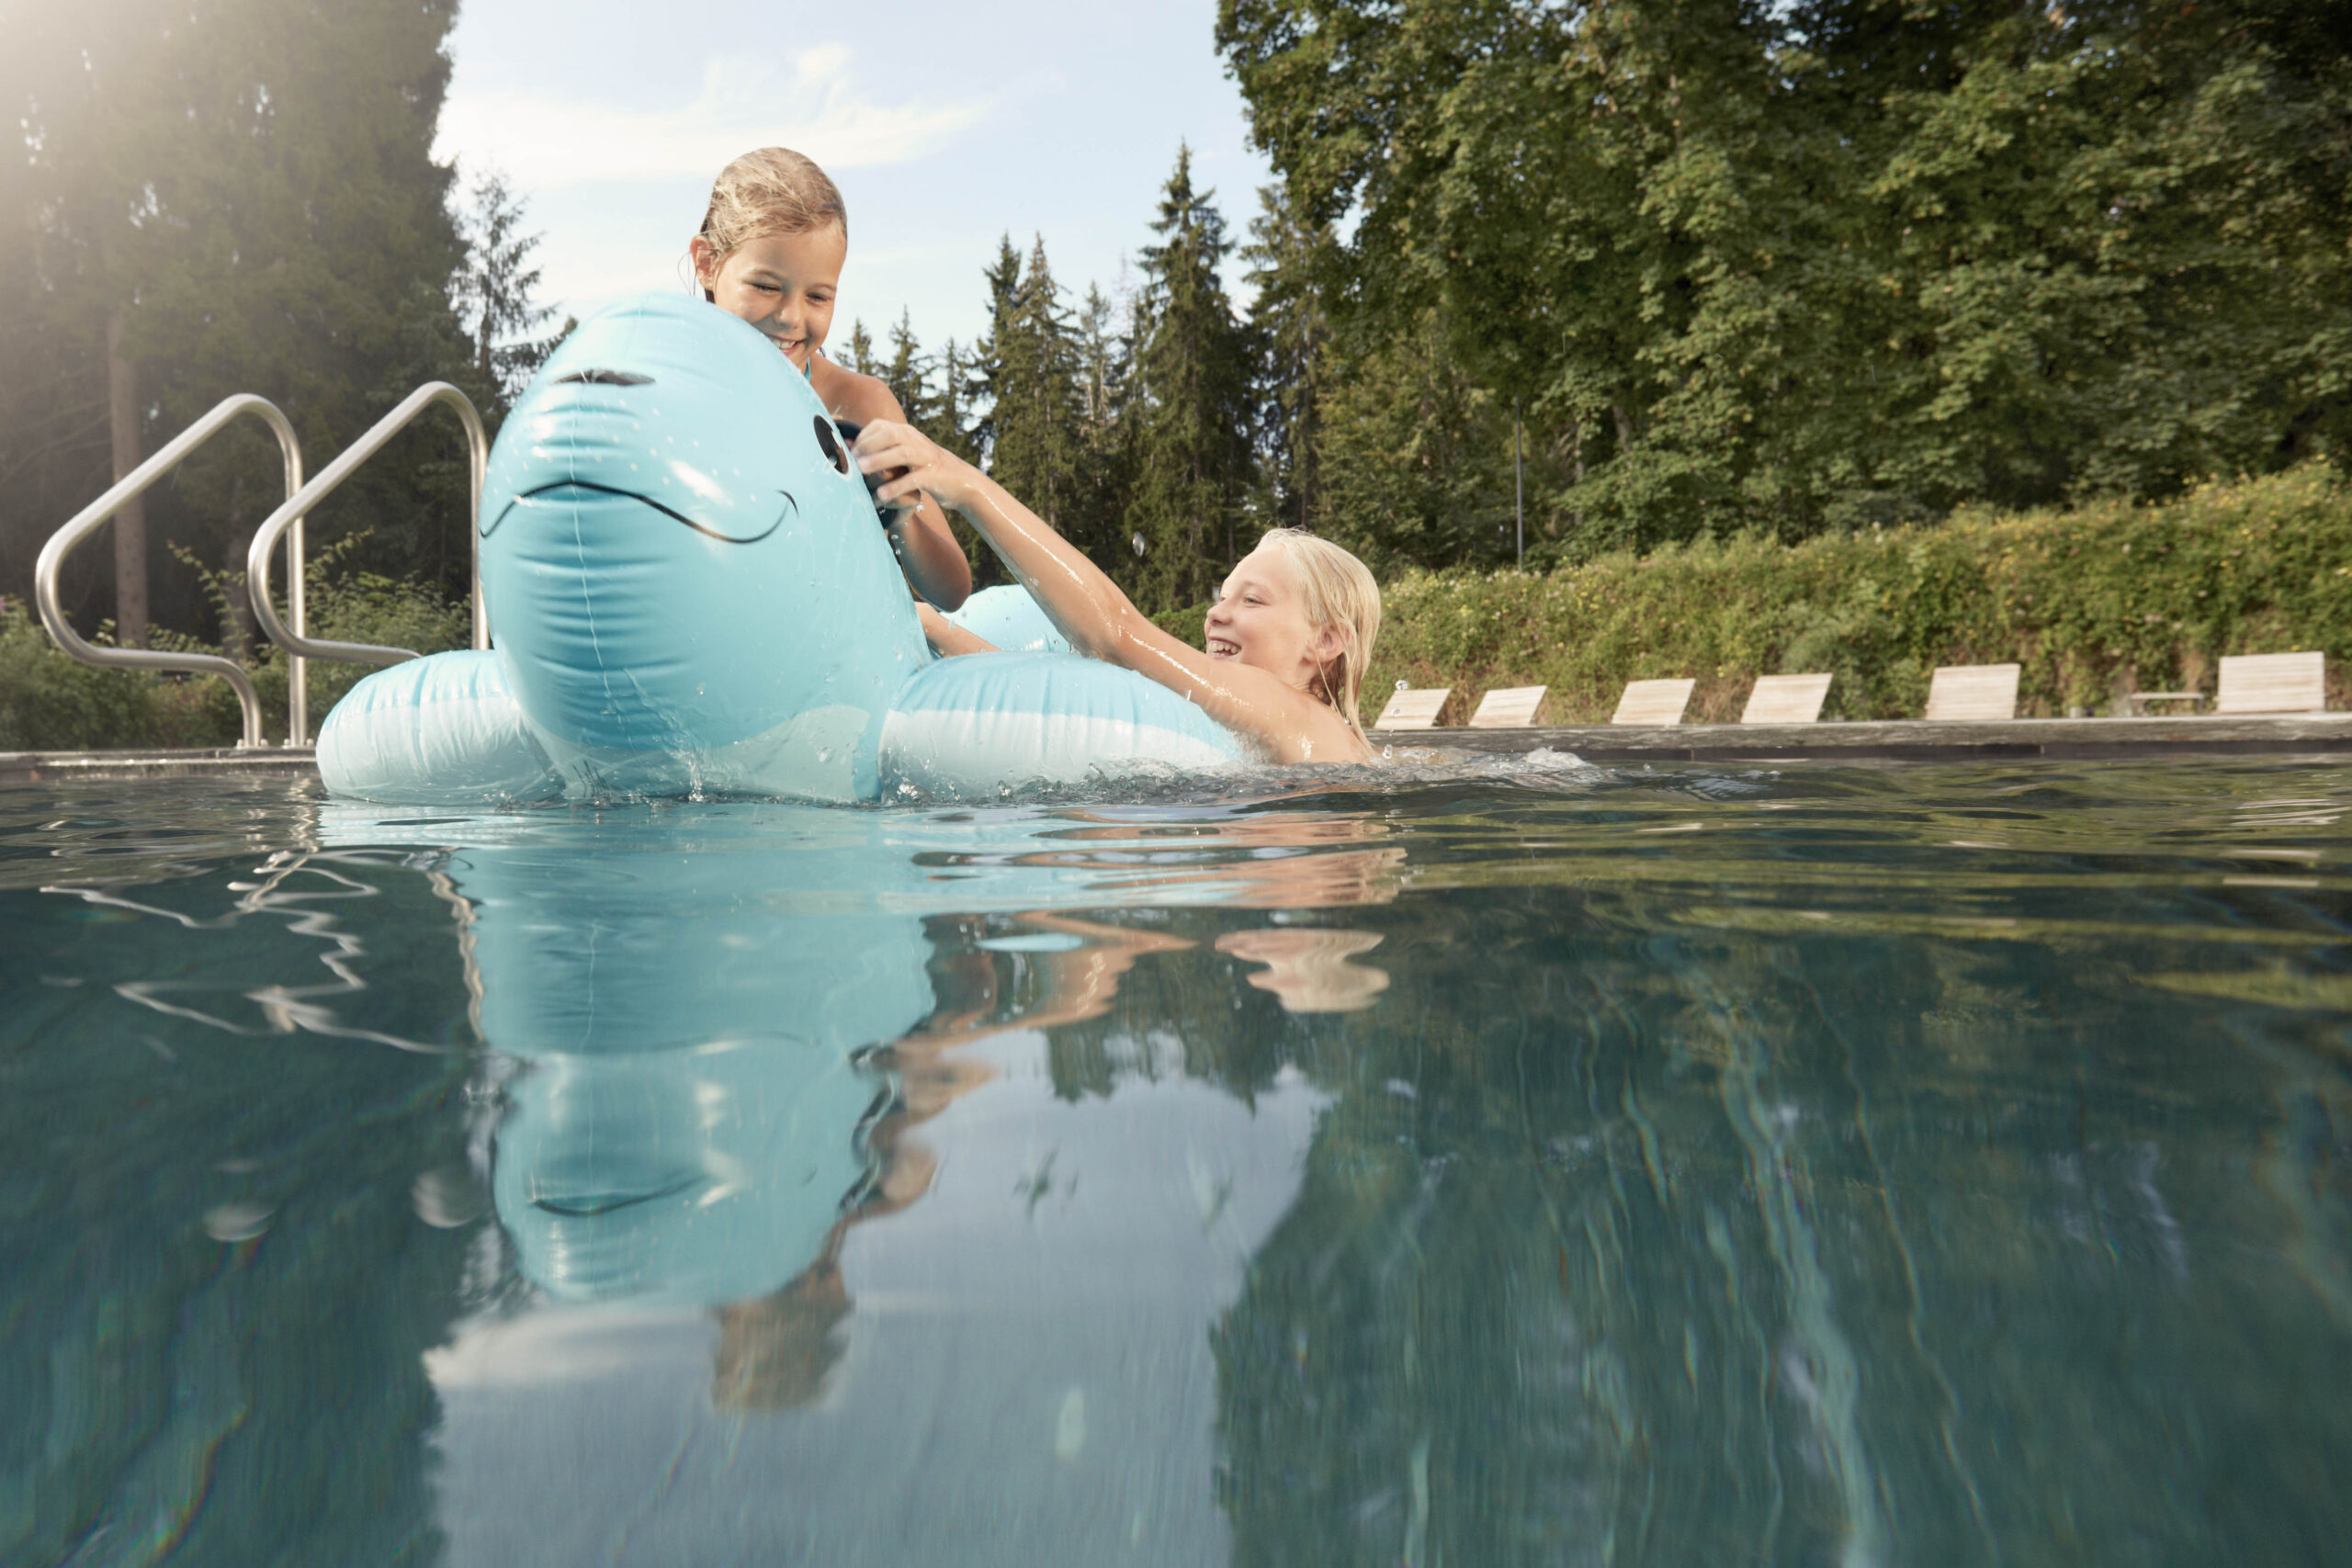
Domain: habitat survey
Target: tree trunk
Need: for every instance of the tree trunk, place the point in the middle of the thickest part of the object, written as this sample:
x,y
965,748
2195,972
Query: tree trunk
x,y
130,523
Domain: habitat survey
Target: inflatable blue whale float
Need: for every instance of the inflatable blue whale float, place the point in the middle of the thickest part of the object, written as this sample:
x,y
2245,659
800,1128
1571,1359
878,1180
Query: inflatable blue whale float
x,y
690,593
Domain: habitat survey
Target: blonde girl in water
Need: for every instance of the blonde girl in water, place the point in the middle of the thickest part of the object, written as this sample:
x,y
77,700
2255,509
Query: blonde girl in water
x,y
1289,636
771,250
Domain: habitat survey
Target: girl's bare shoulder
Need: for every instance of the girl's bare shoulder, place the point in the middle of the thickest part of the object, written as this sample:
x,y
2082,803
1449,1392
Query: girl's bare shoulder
x,y
848,395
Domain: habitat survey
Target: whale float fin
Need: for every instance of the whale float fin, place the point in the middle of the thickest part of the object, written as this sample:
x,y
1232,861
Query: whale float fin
x,y
1008,618
441,730
967,728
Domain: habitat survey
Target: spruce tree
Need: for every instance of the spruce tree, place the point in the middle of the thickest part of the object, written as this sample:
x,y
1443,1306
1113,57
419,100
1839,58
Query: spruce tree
x,y
1291,257
904,374
950,390
496,290
1192,406
860,350
1104,346
1033,422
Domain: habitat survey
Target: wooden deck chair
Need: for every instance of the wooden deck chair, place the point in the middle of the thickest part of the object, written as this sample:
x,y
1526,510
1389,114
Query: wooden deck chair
x,y
1786,699
2273,682
1653,701
1966,693
1410,709
1509,707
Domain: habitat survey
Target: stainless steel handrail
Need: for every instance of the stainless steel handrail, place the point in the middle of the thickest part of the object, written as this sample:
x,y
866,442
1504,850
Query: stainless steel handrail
x,y
90,518
299,504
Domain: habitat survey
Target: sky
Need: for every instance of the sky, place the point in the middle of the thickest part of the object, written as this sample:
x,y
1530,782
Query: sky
x,y
944,125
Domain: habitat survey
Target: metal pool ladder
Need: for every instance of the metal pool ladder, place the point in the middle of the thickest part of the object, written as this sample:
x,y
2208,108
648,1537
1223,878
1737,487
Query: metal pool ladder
x,y
287,521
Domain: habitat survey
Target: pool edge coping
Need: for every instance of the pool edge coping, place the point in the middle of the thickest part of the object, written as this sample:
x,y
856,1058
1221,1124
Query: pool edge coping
x,y
1916,740
1901,740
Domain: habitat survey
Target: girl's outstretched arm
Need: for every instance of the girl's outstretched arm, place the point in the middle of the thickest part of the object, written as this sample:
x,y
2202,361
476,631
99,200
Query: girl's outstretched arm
x,y
1090,609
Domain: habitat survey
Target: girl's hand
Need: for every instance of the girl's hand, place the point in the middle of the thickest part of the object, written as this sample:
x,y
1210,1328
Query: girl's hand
x,y
912,462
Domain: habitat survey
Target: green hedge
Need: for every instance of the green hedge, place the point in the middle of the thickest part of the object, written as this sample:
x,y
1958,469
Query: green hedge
x,y
50,703
2094,603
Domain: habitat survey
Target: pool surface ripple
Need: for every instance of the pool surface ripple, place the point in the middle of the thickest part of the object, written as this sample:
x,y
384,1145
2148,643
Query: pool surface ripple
x,y
1661,1164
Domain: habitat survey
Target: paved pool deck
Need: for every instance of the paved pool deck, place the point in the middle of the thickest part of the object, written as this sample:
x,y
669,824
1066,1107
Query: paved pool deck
x,y
1900,741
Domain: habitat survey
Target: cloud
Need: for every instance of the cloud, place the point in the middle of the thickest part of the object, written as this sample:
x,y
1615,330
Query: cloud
x,y
545,143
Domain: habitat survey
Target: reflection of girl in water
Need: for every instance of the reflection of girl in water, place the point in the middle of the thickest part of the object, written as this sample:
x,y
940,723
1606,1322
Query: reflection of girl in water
x,y
1307,968
775,1350
1289,636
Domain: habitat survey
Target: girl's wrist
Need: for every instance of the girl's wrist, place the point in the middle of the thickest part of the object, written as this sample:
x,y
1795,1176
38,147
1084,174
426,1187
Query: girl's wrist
x,y
954,493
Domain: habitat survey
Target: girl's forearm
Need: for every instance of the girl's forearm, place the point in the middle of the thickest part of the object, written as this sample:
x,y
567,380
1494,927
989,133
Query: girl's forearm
x,y
1085,605
946,638
934,562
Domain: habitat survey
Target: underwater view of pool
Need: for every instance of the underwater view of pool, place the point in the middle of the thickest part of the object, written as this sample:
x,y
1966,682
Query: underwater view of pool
x,y
1551,1165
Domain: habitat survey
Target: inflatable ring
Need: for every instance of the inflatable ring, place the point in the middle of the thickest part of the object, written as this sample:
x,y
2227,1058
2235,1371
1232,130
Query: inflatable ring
x,y
691,594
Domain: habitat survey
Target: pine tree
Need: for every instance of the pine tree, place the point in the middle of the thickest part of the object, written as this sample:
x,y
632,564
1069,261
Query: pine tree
x,y
1291,257
904,374
496,290
1002,277
947,404
1104,344
1032,385
860,350
1192,406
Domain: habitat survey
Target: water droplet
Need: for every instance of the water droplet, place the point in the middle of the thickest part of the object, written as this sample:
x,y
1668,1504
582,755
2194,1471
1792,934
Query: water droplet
x,y
446,1198
237,1222
1070,1427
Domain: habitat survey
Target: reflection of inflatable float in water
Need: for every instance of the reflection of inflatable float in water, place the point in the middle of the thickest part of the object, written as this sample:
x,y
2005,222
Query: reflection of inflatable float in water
x,y
691,595
699,1100
724,1021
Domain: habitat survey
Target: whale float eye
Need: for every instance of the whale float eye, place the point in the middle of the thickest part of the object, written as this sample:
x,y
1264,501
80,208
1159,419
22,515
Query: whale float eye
x,y
606,379
832,448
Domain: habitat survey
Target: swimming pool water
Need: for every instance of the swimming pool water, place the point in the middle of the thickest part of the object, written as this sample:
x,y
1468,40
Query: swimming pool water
x,y
1911,1164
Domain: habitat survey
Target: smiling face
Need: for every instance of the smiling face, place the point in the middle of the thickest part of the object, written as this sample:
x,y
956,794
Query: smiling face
x,y
1259,619
783,284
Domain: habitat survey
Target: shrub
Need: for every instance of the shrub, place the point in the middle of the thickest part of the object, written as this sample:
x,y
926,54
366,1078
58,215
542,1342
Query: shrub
x,y
2093,603
49,701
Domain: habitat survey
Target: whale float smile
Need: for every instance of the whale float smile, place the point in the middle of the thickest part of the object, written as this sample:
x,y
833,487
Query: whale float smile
x,y
574,487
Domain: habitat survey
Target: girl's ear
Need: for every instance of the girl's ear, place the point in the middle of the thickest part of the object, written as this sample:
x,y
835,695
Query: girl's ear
x,y
704,259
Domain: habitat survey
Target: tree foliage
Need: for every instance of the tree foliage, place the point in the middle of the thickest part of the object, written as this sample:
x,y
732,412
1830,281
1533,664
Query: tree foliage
x,y
1128,424
1190,401
1826,264
1028,370
248,187
495,289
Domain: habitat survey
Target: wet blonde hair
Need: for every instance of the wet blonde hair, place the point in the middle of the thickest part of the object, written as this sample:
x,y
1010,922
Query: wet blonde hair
x,y
1336,589
772,191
